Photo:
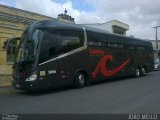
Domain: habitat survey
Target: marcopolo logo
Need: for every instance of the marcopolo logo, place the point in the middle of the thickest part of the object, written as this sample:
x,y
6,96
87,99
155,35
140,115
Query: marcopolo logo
x,y
102,67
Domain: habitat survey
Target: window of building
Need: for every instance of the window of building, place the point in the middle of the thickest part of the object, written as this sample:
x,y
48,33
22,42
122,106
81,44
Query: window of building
x,y
118,31
4,45
11,51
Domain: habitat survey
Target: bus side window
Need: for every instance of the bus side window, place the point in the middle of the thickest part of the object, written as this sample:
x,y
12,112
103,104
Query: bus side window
x,y
96,39
48,46
69,40
59,41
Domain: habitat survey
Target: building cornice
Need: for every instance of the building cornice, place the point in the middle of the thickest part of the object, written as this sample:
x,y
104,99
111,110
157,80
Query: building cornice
x,y
24,11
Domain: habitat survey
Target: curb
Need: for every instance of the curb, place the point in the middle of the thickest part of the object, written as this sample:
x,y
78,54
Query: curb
x,y
3,87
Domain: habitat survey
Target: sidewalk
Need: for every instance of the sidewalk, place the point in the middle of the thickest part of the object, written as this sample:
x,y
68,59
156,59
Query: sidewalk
x,y
5,80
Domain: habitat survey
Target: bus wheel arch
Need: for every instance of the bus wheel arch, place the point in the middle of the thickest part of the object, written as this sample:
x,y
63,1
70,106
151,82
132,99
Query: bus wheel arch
x,y
81,79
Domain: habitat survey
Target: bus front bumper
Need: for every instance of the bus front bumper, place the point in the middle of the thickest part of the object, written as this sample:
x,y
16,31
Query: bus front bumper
x,y
30,85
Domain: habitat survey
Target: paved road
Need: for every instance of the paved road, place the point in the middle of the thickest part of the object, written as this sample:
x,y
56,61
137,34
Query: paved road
x,y
130,95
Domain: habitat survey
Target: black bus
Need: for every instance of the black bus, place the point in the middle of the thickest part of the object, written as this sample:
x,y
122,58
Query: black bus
x,y
53,54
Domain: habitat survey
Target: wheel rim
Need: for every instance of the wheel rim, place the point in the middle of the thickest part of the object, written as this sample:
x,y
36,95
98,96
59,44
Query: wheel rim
x,y
143,71
137,72
81,78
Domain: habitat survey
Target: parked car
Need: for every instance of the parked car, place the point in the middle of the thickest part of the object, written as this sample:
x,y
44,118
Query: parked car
x,y
157,65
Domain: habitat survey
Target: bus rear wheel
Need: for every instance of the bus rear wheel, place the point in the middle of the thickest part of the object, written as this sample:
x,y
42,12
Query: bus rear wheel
x,y
79,80
137,72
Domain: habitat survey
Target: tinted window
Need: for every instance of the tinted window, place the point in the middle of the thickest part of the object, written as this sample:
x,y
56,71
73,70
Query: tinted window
x,y
48,45
96,37
131,47
141,48
58,42
115,45
69,40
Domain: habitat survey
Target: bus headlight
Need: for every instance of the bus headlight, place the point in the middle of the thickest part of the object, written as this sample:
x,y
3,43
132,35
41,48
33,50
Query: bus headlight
x,y
32,78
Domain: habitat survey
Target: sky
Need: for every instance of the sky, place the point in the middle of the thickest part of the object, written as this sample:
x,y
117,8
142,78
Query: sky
x,y
140,15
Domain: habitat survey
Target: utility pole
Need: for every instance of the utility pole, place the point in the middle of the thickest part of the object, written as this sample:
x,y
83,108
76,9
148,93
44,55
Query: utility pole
x,y
156,27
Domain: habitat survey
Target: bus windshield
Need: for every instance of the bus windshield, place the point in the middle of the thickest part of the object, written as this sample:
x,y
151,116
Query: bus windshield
x,y
27,49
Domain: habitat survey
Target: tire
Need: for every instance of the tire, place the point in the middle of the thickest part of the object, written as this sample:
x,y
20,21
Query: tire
x,y
79,80
137,72
143,71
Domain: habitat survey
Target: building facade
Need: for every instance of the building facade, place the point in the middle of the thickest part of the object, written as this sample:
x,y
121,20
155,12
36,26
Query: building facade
x,y
65,18
154,44
156,52
13,21
113,26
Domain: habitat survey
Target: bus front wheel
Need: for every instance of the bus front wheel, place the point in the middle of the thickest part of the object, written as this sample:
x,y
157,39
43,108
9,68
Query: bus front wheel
x,y
79,80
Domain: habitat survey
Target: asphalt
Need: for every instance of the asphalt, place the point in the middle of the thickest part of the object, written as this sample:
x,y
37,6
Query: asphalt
x,y
129,95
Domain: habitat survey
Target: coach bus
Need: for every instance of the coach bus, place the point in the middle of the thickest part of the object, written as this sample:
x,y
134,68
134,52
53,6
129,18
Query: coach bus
x,y
53,54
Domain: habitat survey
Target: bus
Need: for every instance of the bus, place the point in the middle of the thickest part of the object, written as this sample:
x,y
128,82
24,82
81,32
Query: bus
x,y
54,54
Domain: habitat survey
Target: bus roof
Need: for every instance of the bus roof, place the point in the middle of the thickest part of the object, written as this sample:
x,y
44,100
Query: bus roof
x,y
115,37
